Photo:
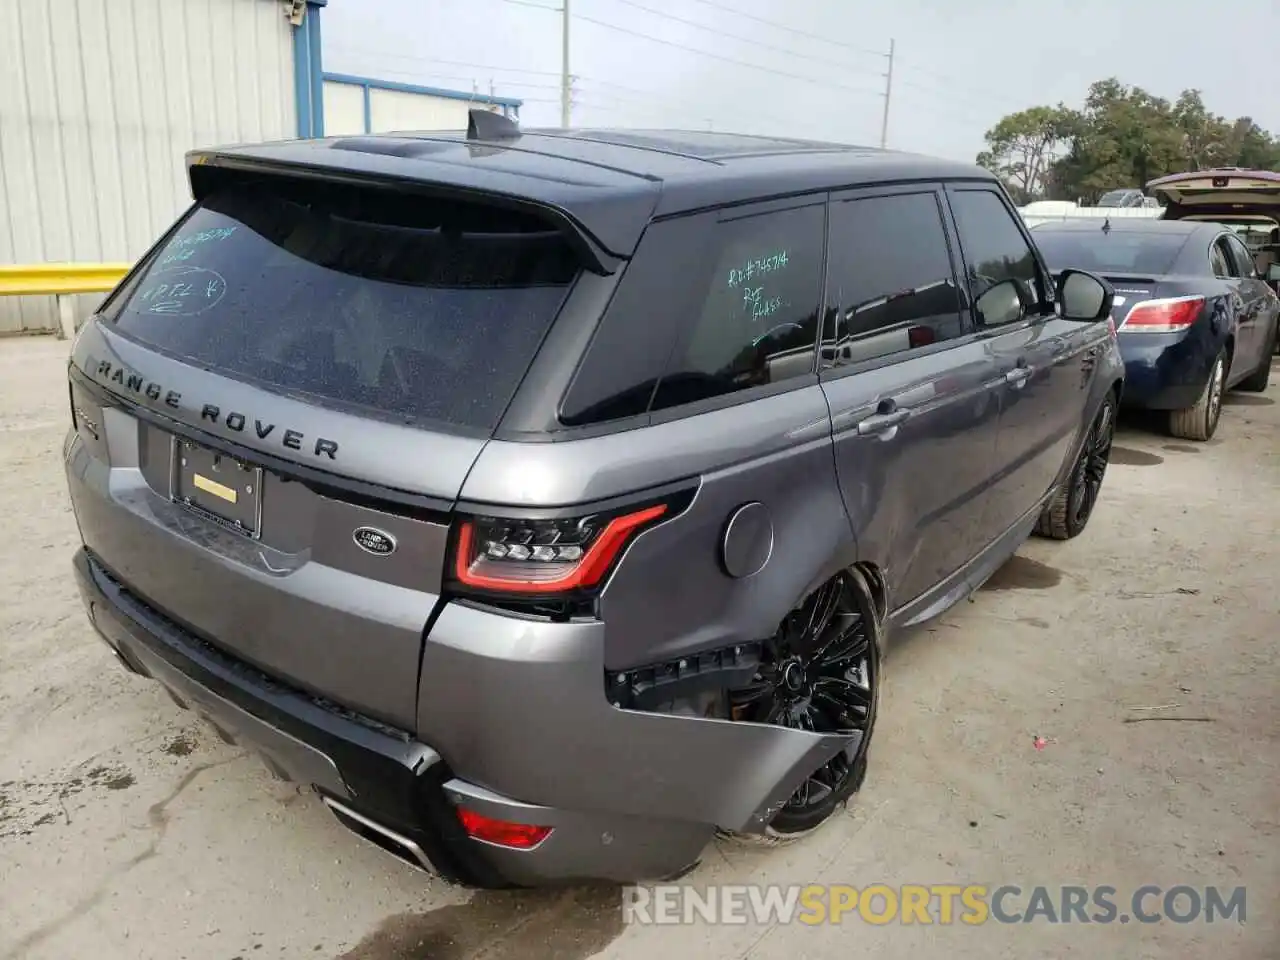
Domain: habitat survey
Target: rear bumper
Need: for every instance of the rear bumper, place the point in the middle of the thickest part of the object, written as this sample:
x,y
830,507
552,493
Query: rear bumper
x,y
371,773
1165,371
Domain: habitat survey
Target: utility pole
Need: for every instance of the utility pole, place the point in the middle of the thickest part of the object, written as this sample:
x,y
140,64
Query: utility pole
x,y
565,79
888,92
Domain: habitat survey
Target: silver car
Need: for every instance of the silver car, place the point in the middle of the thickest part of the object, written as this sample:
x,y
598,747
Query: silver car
x,y
544,499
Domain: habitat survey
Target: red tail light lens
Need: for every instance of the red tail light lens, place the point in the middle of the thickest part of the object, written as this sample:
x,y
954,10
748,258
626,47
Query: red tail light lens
x,y
545,556
1169,315
517,836
920,336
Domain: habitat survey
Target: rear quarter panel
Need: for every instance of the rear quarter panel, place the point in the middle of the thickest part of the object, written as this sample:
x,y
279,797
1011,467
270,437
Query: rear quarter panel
x,y
670,594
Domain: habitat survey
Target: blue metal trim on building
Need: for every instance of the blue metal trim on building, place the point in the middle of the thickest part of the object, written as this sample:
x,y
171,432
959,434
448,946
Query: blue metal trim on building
x,y
308,72
314,48
369,83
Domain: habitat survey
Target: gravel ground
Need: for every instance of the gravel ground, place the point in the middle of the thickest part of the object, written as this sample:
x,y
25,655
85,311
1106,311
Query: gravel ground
x,y
128,830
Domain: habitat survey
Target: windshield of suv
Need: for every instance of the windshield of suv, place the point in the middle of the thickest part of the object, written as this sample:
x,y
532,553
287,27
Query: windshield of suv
x,y
410,307
1115,252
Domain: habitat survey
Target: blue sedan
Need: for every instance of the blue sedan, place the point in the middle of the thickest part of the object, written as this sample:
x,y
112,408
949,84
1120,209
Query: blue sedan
x,y
1194,319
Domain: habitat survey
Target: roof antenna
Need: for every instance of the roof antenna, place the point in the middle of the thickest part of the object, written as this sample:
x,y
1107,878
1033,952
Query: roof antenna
x,y
487,125
1106,225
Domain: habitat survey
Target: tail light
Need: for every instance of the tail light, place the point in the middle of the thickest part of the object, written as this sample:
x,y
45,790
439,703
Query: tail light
x,y
920,336
542,556
1169,315
503,833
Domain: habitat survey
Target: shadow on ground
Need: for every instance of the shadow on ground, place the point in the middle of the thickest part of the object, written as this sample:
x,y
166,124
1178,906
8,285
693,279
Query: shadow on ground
x,y
568,924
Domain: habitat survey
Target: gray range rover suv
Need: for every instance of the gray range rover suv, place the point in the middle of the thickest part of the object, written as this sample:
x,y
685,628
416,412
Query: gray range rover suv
x,y
544,498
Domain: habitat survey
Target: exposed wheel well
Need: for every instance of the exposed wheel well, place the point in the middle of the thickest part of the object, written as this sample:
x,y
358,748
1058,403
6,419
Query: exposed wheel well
x,y
876,586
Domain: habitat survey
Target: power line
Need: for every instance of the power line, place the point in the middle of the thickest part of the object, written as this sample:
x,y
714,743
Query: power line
x,y
733,60
782,26
734,36
651,102
359,51
951,86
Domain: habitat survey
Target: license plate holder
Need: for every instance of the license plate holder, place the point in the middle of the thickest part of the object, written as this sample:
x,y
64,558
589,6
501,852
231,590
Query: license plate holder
x,y
221,487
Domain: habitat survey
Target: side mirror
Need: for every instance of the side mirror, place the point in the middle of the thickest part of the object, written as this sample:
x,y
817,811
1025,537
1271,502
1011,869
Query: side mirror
x,y
1003,302
1273,272
1084,297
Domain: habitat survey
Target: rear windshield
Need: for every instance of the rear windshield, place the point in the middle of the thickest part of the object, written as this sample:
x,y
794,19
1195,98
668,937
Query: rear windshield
x,y
1115,252
418,309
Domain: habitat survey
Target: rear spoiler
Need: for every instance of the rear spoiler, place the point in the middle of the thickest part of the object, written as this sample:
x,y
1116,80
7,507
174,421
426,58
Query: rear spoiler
x,y
211,170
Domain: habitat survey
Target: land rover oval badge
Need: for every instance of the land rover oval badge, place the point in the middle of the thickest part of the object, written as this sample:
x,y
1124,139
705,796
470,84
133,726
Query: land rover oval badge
x,y
375,541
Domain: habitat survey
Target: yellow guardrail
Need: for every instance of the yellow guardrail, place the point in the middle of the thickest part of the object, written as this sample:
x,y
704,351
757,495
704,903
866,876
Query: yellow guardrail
x,y
61,280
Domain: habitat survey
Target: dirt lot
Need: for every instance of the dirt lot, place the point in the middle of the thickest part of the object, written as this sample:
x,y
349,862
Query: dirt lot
x,y
129,831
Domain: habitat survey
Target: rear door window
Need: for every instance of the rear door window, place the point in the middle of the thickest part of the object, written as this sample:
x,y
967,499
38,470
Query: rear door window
x,y
414,308
890,283
1220,259
754,314
1245,264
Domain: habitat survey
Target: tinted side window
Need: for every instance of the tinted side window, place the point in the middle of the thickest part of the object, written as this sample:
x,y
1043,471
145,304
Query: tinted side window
x,y
1245,265
994,251
631,346
1220,259
890,285
754,320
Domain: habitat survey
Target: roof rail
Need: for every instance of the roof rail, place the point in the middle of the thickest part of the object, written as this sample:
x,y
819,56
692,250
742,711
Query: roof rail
x,y
487,125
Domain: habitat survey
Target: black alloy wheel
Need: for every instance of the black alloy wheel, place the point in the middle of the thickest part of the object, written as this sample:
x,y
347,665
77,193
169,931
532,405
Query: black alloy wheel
x,y
820,673
1086,482
1067,514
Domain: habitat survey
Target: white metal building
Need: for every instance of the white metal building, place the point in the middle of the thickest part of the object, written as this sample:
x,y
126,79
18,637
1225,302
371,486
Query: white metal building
x,y
100,99
354,105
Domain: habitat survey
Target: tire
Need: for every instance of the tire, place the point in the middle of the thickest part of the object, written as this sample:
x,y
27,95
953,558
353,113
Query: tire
x,y
824,699
1257,381
1068,513
1200,421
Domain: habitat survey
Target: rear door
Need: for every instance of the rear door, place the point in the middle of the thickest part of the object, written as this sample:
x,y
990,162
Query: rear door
x,y
1258,305
277,414
911,390
1043,362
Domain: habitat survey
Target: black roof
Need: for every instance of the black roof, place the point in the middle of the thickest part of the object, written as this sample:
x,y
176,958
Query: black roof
x,y
1127,225
609,183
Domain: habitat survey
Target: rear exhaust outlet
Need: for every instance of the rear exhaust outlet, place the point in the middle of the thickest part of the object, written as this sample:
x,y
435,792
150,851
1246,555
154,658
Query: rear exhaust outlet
x,y
394,843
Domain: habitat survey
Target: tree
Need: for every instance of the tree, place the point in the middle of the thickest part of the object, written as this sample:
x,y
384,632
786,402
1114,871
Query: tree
x,y
1123,137
1021,148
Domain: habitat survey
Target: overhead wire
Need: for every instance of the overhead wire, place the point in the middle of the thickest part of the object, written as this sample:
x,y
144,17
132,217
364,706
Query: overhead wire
x,y
715,56
733,36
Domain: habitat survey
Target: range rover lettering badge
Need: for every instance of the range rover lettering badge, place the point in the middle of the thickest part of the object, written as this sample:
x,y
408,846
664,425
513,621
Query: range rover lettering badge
x,y
375,541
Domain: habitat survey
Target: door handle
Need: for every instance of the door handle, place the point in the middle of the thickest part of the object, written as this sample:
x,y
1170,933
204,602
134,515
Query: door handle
x,y
882,422
1018,376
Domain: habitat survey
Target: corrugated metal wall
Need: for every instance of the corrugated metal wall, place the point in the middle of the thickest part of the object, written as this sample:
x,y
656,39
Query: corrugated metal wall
x,y
343,109
99,99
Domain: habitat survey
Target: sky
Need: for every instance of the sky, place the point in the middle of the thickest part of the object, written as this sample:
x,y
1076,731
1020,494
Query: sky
x,y
816,68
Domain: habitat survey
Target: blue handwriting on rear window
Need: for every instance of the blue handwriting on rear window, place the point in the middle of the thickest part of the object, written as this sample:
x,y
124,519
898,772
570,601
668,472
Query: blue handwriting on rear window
x,y
757,267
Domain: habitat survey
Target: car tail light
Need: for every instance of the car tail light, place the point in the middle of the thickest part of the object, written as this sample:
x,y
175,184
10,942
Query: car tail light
x,y
920,336
517,836
548,556
1169,315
